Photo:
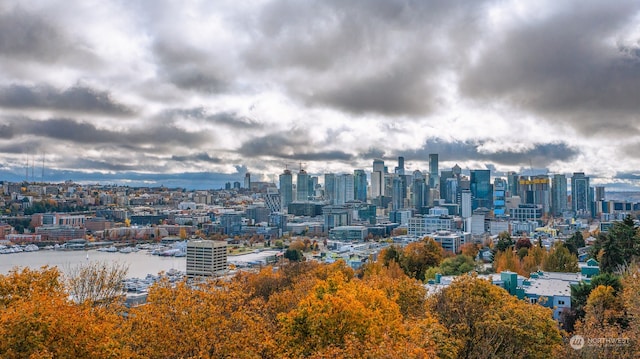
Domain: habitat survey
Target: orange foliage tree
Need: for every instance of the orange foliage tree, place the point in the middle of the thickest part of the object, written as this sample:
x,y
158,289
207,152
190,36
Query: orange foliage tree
x,y
38,320
348,319
491,323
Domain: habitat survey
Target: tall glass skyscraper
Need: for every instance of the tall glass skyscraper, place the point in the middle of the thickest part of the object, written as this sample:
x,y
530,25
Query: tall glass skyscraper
x,y
302,186
559,194
481,189
580,199
286,190
360,185
329,187
433,170
377,179
419,190
400,168
397,199
344,189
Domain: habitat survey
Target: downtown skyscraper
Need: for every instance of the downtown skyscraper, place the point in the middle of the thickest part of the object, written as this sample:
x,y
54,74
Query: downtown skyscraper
x,y
360,185
580,194
559,203
286,190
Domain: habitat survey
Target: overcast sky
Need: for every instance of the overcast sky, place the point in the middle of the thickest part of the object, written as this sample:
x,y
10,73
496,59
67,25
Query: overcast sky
x,y
160,90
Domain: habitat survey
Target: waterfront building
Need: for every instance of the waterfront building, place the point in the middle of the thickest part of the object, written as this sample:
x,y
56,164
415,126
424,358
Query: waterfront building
x,y
206,258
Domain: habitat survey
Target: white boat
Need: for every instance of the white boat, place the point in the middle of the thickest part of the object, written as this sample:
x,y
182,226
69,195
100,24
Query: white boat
x,y
128,250
31,248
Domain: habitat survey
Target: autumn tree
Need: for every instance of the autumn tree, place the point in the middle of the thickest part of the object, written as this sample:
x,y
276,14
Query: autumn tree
x,y
560,260
408,293
605,318
491,323
523,243
532,262
214,320
352,320
417,257
469,249
508,261
37,320
97,283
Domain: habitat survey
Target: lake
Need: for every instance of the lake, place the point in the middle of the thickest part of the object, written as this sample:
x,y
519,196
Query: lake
x,y
140,263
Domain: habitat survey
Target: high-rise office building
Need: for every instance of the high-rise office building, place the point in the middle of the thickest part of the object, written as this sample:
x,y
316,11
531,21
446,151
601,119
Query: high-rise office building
x,y
465,204
481,189
360,185
433,170
397,201
302,186
377,179
247,180
444,176
580,200
449,191
400,169
313,186
286,190
419,191
344,189
559,203
206,258
512,180
329,187
600,195
499,199
535,190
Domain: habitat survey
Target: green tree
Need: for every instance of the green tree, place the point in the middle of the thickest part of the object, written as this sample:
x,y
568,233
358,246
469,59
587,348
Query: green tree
x,y
504,241
610,256
457,265
294,255
389,254
574,242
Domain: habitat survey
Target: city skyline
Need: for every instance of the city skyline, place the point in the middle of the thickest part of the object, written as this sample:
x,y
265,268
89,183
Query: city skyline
x,y
190,94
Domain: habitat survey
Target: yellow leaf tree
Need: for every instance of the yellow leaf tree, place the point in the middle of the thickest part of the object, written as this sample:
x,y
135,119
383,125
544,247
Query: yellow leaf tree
x,y
491,323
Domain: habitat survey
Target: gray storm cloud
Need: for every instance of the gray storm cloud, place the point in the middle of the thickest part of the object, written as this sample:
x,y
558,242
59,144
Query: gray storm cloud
x,y
162,86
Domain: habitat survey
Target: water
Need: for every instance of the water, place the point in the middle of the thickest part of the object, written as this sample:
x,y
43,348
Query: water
x,y
140,263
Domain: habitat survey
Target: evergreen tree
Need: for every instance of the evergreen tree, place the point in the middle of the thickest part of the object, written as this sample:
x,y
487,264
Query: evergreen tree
x,y
574,242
